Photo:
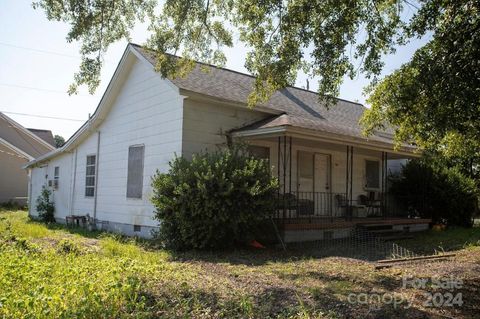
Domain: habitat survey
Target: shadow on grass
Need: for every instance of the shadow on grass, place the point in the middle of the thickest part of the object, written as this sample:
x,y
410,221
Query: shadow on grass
x,y
452,239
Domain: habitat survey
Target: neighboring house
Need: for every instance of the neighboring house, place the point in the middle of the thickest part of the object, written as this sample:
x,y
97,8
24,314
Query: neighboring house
x,y
143,120
18,146
45,135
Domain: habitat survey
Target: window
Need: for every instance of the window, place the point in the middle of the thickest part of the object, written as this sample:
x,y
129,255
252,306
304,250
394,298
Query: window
x,y
135,171
90,176
137,228
372,169
259,151
56,176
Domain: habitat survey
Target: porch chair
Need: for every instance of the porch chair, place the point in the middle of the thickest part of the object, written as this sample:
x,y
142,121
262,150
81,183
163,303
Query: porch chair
x,y
373,205
342,202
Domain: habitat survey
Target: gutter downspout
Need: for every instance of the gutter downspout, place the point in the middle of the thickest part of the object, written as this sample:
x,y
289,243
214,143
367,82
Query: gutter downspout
x,y
74,180
96,182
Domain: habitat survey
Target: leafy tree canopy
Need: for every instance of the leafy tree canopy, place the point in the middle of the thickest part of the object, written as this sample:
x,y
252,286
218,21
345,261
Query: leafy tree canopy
x,y
333,36
59,141
433,100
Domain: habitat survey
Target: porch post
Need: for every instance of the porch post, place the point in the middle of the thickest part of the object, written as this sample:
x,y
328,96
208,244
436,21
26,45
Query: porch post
x,y
290,168
349,182
385,185
278,176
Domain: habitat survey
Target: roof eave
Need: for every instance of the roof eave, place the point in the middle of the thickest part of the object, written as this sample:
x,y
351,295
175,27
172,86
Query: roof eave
x,y
327,137
98,116
16,149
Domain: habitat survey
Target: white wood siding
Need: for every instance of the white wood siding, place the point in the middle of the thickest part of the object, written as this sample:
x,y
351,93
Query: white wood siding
x,y
205,124
147,111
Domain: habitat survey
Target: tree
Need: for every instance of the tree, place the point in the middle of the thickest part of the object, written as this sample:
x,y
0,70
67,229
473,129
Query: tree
x,y
59,141
281,34
434,99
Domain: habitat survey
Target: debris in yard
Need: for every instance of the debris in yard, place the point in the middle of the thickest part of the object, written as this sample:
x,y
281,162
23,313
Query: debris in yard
x,y
386,263
256,244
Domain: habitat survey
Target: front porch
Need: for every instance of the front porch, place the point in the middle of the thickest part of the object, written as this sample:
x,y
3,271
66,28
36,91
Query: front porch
x,y
328,188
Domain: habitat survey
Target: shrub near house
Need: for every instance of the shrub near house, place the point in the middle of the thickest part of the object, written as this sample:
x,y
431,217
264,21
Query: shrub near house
x,y
440,193
214,200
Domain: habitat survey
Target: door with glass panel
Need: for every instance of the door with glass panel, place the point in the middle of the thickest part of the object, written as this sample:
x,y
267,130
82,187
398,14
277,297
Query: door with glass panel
x,y
313,183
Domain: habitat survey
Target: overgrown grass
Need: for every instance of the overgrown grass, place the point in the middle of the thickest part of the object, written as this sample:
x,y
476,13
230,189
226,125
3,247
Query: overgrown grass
x,y
49,271
451,239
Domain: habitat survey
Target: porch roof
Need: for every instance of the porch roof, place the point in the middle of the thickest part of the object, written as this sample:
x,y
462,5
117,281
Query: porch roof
x,y
318,127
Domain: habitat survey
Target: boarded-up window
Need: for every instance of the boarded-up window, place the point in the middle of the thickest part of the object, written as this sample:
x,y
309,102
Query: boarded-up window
x,y
259,151
90,176
372,169
135,171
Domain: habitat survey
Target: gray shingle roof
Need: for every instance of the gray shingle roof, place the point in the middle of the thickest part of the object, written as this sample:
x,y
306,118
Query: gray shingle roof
x,y
301,108
45,135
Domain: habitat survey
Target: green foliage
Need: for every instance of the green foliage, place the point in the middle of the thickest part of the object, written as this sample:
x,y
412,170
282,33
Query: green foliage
x,y
67,246
433,100
280,35
214,200
59,141
97,25
437,192
45,207
114,277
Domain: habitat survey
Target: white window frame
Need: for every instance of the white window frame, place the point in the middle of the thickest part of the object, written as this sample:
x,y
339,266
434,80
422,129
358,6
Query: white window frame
x,y
87,165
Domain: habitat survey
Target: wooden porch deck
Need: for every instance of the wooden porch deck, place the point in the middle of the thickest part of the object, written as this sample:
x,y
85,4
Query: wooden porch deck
x,y
314,223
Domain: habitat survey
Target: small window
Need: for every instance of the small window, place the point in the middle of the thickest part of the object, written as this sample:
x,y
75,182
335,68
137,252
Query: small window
x,y
135,171
90,176
372,169
137,228
259,152
56,173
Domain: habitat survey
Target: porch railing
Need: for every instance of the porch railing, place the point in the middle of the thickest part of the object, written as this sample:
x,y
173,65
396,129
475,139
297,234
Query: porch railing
x,y
305,207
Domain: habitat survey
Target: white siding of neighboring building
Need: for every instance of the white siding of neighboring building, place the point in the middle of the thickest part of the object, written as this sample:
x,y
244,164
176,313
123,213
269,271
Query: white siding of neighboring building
x,y
13,179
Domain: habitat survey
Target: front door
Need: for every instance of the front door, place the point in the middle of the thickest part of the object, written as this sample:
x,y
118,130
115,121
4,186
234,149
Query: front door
x,y
323,202
314,181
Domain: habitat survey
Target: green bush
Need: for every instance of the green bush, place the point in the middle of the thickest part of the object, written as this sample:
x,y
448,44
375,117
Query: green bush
x,y
214,200
440,193
45,207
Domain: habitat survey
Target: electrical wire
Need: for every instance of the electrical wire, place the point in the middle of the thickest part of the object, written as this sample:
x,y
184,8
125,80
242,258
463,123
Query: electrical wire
x,y
43,116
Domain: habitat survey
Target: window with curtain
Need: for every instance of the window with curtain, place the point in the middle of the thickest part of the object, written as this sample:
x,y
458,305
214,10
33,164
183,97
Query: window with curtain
x,y
372,169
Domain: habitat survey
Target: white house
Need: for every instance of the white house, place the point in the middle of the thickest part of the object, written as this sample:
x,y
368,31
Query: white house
x,y
18,146
143,121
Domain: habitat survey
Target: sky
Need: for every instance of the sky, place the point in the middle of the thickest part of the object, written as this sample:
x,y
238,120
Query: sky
x,y
37,66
